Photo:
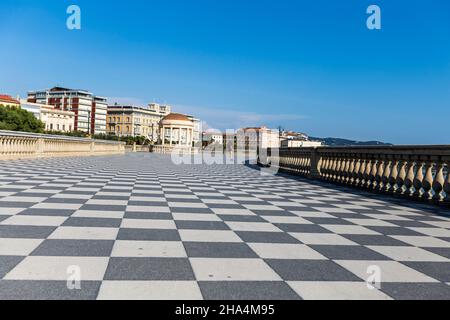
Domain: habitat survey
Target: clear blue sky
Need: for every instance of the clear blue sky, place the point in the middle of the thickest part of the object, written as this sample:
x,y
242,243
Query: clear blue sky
x,y
311,66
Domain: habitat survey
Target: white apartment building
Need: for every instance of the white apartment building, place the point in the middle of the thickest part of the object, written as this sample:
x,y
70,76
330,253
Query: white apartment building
x,y
90,110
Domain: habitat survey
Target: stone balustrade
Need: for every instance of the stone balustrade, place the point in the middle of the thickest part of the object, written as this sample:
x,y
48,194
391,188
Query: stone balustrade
x,y
415,172
19,145
167,149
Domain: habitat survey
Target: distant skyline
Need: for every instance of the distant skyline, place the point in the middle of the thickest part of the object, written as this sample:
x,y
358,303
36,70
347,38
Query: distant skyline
x,y
310,66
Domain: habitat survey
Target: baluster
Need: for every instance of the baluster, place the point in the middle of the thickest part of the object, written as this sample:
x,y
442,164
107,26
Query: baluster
x,y
332,168
351,169
447,185
379,175
393,176
326,167
418,179
438,183
373,175
355,175
408,183
340,168
386,175
401,177
346,174
362,170
367,173
427,183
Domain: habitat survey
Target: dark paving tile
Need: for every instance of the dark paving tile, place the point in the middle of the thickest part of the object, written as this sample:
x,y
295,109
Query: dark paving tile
x,y
122,198
348,252
302,228
190,210
224,290
7,263
148,235
225,206
47,290
47,212
310,270
149,269
329,221
93,222
96,207
266,237
65,200
147,204
145,215
437,270
375,240
9,204
240,218
445,252
80,248
33,194
417,291
218,250
274,213
395,231
27,232
410,224
201,225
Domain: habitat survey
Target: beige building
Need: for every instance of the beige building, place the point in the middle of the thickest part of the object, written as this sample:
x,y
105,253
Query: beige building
x,y
123,120
8,101
57,120
54,119
260,137
177,129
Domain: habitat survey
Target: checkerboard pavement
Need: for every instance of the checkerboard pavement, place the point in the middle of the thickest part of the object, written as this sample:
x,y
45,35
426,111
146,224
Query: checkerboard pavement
x,y
140,227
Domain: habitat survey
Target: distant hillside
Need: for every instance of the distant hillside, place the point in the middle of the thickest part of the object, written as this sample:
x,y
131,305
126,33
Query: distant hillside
x,y
344,142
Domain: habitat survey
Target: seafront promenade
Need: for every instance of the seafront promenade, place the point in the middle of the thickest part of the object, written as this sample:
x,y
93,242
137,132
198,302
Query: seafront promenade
x,y
138,226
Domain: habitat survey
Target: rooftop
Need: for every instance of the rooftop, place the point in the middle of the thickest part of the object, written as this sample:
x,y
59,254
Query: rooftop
x,y
9,99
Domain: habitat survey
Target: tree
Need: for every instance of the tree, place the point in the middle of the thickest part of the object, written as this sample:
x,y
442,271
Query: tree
x,y
17,119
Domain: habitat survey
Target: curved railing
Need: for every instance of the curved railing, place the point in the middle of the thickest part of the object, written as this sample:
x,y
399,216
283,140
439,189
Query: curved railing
x,y
18,145
416,172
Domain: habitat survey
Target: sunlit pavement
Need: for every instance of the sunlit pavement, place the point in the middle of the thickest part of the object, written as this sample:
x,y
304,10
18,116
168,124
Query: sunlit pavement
x,y
140,227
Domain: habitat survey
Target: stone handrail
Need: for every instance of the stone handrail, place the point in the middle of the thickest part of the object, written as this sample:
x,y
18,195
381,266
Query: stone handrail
x,y
415,172
20,145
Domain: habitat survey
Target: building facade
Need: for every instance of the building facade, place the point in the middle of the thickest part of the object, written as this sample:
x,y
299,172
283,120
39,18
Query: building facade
x,y
259,137
90,110
213,136
127,120
8,101
54,119
300,144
